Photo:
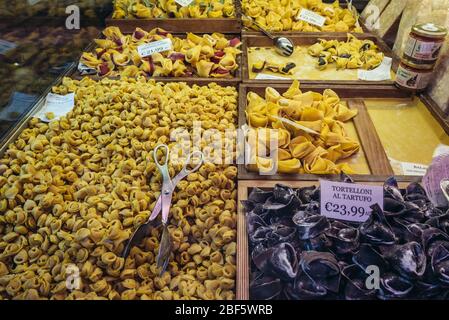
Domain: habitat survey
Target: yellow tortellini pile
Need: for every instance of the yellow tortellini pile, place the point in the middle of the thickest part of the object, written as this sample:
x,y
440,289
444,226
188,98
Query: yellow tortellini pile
x,y
299,150
72,191
352,54
204,56
148,9
281,15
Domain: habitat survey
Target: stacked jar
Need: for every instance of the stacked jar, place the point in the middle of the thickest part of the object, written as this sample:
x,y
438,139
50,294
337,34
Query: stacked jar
x,y
420,55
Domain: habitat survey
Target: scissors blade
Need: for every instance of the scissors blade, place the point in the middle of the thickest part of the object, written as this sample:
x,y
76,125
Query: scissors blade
x,y
137,236
165,246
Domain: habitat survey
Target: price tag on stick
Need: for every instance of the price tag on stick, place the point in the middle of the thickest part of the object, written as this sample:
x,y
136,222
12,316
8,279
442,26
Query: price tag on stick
x,y
148,49
184,3
311,17
349,201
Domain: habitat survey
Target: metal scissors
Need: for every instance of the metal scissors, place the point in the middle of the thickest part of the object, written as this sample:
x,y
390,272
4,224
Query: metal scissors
x,y
163,204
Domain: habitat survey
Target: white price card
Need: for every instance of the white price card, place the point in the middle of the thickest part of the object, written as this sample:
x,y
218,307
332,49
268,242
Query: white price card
x,y
59,105
148,49
413,169
184,3
311,17
83,69
5,46
381,73
349,201
265,76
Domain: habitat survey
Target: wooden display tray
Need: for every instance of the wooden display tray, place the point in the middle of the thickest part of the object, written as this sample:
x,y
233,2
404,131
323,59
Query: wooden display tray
x,y
200,80
22,123
243,260
255,40
375,154
175,25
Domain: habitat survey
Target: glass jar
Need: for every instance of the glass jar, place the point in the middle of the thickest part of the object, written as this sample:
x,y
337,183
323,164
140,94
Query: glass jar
x,y
424,43
413,77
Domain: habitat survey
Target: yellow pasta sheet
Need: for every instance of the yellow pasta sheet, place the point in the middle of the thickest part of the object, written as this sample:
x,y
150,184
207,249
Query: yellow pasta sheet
x,y
407,130
305,65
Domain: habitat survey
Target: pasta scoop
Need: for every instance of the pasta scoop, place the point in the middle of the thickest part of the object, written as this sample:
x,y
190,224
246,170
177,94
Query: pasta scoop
x,y
284,46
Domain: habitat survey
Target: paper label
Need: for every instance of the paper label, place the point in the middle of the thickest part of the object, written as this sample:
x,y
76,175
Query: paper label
x,y
381,73
311,17
411,79
83,69
413,169
17,106
349,201
5,46
58,104
184,3
422,50
440,150
438,170
265,76
148,49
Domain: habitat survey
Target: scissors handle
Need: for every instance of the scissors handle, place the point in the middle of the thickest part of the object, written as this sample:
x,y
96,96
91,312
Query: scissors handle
x,y
184,171
163,168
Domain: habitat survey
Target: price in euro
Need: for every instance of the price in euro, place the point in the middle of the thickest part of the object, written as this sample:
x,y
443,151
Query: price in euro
x,y
344,210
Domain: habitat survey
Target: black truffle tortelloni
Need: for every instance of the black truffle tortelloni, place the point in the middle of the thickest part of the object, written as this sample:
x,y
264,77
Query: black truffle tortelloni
x,y
298,254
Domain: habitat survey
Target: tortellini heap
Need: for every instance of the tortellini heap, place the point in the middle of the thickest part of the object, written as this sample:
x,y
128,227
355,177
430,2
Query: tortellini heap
x,y
299,151
281,15
148,9
72,191
203,56
352,54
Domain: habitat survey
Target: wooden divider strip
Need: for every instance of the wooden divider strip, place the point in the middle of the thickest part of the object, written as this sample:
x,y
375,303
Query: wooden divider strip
x,y
370,141
242,246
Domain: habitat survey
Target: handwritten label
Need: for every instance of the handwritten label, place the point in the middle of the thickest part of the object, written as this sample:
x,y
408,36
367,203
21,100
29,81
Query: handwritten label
x,y
349,201
83,69
265,76
438,170
59,105
311,17
413,169
381,73
184,3
5,46
148,49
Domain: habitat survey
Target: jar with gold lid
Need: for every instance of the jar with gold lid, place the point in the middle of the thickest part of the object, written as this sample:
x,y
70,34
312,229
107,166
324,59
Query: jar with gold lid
x,y
412,76
424,43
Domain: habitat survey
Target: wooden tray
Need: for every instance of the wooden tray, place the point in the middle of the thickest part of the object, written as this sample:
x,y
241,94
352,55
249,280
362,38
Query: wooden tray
x,y
174,25
199,80
376,157
307,39
22,123
243,261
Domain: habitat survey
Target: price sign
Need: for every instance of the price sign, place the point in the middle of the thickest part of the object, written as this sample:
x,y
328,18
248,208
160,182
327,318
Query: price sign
x,y
349,201
184,3
266,76
83,69
311,17
59,105
148,49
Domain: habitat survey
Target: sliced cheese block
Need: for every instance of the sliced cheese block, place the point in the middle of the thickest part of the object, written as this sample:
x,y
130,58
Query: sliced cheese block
x,y
390,15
